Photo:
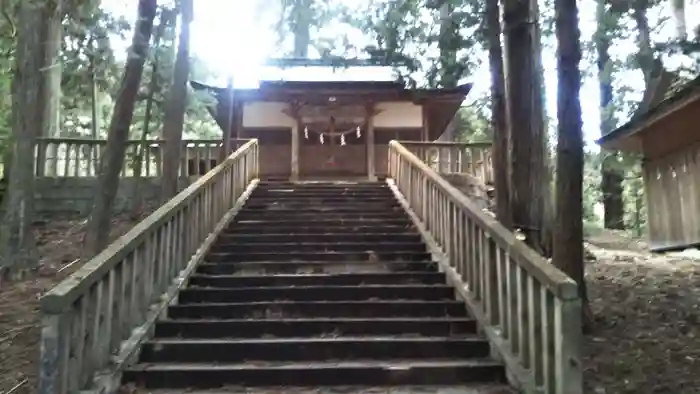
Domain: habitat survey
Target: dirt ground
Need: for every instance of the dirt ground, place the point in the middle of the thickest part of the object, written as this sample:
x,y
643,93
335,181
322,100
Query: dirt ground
x,y
59,241
647,332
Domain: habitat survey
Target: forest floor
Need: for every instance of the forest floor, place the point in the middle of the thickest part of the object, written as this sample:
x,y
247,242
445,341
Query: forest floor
x,y
59,242
646,337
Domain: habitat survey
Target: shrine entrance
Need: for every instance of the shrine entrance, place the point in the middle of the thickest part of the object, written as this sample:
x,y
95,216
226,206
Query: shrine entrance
x,y
333,141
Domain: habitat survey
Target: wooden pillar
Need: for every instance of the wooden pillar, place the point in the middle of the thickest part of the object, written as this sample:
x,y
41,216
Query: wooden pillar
x,y
238,124
369,141
295,150
226,132
425,129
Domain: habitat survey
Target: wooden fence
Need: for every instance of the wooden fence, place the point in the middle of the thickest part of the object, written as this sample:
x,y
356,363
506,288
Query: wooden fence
x,y
73,157
529,310
472,158
94,321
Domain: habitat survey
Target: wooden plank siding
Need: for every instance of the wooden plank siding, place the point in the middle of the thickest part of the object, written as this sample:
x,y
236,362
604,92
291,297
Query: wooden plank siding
x,y
672,184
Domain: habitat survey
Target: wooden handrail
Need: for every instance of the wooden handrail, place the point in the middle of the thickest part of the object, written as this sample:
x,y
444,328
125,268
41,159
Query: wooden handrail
x,y
529,309
75,157
478,144
473,158
95,319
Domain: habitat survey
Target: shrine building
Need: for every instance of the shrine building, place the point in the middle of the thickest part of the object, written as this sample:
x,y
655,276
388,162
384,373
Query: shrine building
x,y
666,136
331,129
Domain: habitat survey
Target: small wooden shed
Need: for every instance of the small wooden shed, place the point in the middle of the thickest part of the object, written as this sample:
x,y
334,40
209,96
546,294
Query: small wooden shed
x,y
667,135
338,129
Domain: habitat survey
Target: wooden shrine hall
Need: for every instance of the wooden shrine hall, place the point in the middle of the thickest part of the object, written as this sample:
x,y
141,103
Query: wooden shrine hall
x,y
331,130
667,137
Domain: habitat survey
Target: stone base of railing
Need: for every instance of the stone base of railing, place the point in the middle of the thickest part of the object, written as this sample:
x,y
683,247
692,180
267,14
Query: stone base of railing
x,y
73,195
472,187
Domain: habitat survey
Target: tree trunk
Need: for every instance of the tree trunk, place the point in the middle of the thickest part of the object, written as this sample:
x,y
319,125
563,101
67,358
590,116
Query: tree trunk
x,y
527,146
568,231
175,109
137,200
645,55
52,30
97,235
301,27
612,176
28,121
94,124
678,9
611,173
499,147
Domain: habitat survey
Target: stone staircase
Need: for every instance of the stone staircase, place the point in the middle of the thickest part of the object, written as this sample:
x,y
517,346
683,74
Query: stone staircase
x,y
318,284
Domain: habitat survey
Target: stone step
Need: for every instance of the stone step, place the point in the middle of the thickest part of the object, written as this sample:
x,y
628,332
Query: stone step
x,y
356,207
318,237
255,201
311,349
434,292
321,185
305,226
283,216
285,328
299,247
329,373
286,192
232,281
313,267
313,309
379,256
468,388
283,193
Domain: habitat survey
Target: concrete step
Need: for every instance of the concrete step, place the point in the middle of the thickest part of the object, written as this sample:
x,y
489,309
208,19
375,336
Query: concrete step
x,y
321,327
315,309
329,373
297,247
318,237
192,295
232,281
312,349
249,268
378,256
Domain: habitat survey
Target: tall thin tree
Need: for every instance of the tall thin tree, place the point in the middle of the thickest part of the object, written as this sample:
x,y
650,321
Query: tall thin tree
x,y
177,102
17,242
524,101
97,235
568,230
498,114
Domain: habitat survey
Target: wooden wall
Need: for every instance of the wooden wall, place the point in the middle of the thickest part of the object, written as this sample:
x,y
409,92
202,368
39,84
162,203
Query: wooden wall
x,y
382,137
672,186
330,158
673,133
275,150
349,160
